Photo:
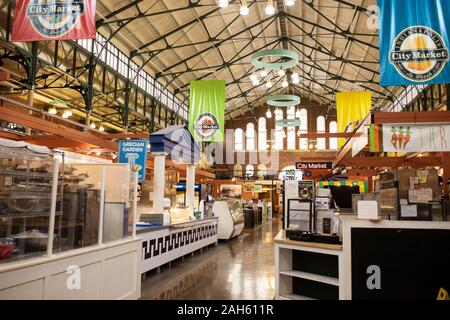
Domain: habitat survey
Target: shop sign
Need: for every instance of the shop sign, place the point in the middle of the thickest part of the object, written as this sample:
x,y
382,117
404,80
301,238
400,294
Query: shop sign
x,y
37,20
414,42
134,152
314,165
249,188
410,138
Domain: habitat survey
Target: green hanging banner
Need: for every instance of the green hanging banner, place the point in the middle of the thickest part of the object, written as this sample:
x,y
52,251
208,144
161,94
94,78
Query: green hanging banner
x,y
207,110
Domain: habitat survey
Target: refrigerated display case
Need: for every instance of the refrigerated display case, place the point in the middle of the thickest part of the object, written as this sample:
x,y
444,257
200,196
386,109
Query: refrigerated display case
x,y
231,218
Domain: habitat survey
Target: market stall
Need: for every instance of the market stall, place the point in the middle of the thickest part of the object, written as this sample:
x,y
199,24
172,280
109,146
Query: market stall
x,y
59,221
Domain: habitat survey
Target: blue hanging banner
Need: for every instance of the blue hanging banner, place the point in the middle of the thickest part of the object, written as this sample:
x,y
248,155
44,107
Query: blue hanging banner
x,y
414,42
134,152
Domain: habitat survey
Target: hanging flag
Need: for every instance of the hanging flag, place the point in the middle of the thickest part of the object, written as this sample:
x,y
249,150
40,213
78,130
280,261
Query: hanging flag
x,y
207,110
352,108
36,20
414,43
401,138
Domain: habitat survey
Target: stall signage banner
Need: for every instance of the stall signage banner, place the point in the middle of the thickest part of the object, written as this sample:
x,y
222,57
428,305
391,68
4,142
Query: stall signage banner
x,y
314,165
134,152
37,20
414,43
207,110
352,108
410,138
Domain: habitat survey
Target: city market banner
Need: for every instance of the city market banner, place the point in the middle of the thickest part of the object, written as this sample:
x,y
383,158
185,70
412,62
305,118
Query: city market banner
x,y
207,110
38,20
410,138
352,108
414,42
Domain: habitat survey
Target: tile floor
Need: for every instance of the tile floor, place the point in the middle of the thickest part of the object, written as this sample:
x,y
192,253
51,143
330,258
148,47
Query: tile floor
x,y
240,269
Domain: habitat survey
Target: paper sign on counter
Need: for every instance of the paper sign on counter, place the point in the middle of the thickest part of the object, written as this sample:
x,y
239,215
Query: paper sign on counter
x,y
368,210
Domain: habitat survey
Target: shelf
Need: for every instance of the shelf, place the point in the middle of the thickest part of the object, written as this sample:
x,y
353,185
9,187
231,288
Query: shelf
x,y
295,297
27,215
32,175
312,277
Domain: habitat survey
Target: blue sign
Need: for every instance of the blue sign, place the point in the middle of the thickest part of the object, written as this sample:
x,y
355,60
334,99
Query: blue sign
x,y
134,152
414,42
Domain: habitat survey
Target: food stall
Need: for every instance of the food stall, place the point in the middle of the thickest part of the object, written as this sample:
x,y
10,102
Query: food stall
x,y
169,231
61,220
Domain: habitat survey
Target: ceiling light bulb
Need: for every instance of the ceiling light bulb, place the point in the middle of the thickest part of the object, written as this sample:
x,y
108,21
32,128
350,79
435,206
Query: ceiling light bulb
x,y
253,77
295,80
223,3
295,75
93,126
102,128
289,3
270,9
281,73
264,73
269,84
285,84
244,10
52,110
69,113
65,115
269,114
255,83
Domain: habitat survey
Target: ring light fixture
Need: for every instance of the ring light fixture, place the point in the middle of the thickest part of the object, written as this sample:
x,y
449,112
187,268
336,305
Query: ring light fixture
x,y
283,100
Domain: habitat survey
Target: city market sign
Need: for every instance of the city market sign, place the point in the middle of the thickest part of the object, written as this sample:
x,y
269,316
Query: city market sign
x,y
314,165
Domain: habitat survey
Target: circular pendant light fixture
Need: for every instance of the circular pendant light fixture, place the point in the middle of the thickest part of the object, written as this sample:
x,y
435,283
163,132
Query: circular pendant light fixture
x,y
288,123
283,101
291,58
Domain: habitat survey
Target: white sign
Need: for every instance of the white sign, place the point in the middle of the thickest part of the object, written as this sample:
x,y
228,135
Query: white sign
x,y
409,211
368,210
416,138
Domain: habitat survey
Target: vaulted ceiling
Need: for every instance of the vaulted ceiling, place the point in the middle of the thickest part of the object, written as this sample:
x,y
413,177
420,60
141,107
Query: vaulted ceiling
x,y
183,40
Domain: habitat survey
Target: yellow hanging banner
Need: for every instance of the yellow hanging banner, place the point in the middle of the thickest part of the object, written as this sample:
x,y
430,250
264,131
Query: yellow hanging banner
x,y
352,108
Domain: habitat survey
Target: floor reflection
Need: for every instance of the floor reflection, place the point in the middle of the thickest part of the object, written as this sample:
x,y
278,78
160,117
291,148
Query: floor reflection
x,y
241,269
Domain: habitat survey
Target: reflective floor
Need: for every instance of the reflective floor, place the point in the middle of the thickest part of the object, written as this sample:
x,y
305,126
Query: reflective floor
x,y
243,268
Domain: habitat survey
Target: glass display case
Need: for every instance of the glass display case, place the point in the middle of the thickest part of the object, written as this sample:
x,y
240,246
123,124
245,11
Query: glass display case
x,y
27,176
75,205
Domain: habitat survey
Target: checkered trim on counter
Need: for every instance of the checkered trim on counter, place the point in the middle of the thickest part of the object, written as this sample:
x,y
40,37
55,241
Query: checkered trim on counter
x,y
155,247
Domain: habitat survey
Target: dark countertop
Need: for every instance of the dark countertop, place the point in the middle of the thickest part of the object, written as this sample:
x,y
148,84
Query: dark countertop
x,y
181,225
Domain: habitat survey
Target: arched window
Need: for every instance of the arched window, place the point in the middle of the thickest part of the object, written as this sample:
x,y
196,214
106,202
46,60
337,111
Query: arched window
x,y
321,128
303,128
250,171
238,140
262,134
262,171
279,131
237,171
291,139
333,141
250,137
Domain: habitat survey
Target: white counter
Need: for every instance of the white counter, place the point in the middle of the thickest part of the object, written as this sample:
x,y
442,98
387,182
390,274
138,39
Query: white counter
x,y
161,245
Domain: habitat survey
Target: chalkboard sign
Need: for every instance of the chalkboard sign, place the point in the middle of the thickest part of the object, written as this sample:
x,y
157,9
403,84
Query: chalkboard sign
x,y
400,264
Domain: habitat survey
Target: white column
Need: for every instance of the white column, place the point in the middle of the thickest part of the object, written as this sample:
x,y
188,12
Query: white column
x,y
190,187
159,182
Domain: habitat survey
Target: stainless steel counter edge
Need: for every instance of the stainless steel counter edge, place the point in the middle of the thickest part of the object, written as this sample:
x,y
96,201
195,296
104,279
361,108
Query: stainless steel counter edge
x,y
177,226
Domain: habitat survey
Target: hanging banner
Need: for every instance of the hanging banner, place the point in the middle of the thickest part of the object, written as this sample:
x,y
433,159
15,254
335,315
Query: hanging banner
x,y
37,20
410,138
352,108
134,152
207,110
414,43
